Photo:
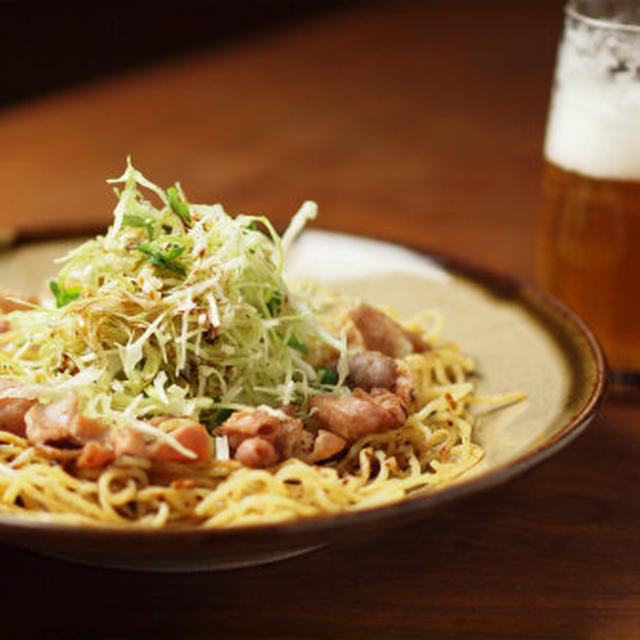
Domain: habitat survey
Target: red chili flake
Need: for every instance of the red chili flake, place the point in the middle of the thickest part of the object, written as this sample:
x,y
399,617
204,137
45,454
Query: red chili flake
x,y
453,405
183,483
446,450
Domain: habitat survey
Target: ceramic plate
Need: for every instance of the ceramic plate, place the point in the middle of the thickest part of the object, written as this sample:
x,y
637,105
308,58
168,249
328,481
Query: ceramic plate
x,y
519,337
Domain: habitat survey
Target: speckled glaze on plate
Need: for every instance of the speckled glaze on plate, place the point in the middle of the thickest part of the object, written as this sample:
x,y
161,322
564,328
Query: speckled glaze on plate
x,y
520,338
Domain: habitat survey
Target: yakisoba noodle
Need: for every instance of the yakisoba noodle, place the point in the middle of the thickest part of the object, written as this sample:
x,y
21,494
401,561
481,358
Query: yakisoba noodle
x,y
176,361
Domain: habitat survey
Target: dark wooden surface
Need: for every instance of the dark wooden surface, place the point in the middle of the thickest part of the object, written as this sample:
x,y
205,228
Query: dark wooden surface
x,y
419,123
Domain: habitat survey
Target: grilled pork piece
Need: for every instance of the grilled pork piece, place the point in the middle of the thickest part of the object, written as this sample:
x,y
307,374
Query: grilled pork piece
x,y
371,369
13,409
361,413
379,332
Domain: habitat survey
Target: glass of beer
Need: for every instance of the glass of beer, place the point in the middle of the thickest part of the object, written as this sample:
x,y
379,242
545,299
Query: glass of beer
x,y
588,250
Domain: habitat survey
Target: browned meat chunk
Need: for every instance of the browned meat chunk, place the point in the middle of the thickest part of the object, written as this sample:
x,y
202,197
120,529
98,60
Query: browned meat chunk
x,y
404,388
359,414
51,422
256,453
13,410
243,424
282,433
64,433
86,429
260,440
392,403
191,435
325,446
372,369
317,447
288,437
381,333
60,422
129,442
95,454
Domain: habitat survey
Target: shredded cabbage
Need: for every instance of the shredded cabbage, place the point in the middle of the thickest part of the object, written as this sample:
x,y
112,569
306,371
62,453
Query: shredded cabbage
x,y
179,309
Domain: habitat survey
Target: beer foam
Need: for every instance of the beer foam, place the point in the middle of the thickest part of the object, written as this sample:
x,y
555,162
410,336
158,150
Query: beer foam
x,y
594,119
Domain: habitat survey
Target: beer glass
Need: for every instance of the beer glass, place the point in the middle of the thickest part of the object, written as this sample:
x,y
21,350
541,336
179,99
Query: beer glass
x,y
588,251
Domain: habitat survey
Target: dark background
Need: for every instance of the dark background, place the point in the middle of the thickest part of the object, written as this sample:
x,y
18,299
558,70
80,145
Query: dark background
x,y
46,46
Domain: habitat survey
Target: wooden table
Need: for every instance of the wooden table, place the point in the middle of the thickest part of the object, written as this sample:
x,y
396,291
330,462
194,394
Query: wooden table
x,y
421,123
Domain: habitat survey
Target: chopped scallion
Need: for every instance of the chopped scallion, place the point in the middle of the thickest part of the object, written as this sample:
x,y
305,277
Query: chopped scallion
x,y
294,343
165,259
132,220
326,375
178,206
64,296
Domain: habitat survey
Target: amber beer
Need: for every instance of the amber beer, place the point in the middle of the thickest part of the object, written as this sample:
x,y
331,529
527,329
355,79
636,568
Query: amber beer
x,y
589,256
589,229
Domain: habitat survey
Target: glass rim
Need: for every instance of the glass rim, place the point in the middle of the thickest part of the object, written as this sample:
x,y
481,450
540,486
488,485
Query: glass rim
x,y
601,23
